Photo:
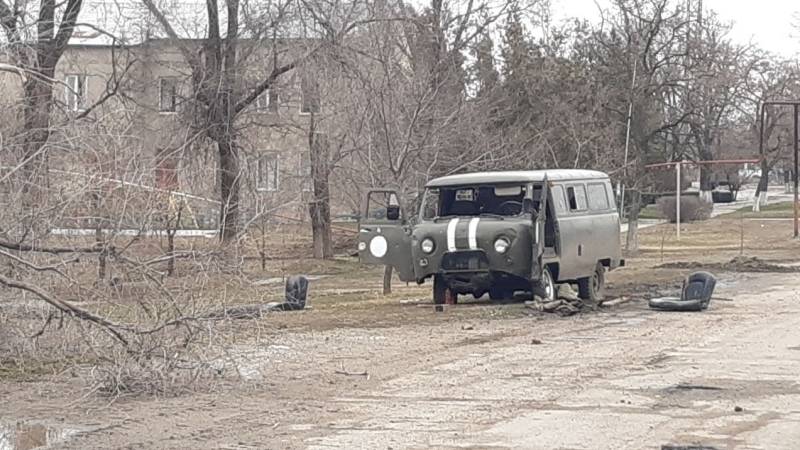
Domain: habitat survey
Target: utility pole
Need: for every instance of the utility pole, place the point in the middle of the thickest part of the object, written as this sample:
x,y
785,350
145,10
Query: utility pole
x,y
678,199
796,206
795,109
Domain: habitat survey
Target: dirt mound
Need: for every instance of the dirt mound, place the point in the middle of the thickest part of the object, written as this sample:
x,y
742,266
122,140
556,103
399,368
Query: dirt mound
x,y
737,264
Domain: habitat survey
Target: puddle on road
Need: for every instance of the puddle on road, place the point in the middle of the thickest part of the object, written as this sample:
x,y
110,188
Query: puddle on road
x,y
31,435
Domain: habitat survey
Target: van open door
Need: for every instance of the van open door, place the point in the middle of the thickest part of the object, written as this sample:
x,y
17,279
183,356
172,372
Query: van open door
x,y
384,236
539,221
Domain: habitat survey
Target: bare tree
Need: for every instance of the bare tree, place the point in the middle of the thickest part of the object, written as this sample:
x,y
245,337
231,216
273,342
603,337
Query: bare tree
x,y
219,91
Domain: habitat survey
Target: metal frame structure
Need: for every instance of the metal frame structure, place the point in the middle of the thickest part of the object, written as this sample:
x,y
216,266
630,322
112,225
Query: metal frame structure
x,y
762,113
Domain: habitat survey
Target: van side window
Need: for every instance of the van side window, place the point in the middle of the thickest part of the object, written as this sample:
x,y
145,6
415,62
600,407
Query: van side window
x,y
611,200
577,197
598,199
557,192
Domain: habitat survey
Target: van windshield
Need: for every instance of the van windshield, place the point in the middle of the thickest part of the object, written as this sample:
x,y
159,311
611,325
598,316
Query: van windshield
x,y
507,200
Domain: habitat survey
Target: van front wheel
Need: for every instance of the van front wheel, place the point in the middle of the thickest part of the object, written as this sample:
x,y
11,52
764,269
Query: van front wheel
x,y
441,292
592,288
545,287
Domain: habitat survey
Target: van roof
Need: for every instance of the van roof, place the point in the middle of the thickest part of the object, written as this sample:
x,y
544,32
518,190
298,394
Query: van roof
x,y
516,176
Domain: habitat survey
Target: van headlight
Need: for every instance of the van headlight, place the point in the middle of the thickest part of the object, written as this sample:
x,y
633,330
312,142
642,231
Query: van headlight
x,y
501,245
427,245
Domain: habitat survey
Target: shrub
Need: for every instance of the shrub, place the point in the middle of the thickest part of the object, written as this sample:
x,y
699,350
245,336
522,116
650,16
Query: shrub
x,y
664,180
692,208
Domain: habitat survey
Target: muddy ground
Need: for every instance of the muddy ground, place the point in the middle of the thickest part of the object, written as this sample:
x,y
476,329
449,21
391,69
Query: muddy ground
x,y
361,370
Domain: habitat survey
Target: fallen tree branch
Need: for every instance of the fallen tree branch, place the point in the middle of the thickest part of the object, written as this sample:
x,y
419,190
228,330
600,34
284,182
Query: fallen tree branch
x,y
67,307
53,250
39,268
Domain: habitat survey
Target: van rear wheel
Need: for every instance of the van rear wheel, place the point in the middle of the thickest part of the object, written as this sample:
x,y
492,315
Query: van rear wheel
x,y
592,289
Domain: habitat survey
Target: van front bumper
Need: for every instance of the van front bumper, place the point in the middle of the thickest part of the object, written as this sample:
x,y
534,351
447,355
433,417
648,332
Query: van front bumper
x,y
473,262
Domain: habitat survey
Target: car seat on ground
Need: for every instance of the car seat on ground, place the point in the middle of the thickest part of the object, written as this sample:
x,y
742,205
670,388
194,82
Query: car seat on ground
x,y
695,295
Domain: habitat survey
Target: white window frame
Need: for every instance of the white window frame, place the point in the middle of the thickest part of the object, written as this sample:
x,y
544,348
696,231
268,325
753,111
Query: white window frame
x,y
262,102
75,91
268,176
161,109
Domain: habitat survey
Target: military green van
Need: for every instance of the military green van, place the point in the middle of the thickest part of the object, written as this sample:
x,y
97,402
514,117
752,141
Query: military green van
x,y
499,233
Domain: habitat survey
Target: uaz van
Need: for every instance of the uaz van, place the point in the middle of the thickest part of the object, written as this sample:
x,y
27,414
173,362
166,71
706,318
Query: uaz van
x,y
499,233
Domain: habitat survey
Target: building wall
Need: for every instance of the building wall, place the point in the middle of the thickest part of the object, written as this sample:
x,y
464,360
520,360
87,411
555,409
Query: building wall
x,y
138,141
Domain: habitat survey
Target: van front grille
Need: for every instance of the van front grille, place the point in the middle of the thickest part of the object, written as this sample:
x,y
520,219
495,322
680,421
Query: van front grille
x,y
469,260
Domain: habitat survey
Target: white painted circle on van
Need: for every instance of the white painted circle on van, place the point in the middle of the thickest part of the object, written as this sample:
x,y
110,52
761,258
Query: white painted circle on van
x,y
378,246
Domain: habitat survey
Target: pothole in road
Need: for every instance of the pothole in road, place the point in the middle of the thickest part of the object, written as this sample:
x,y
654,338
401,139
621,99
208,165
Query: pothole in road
x,y
33,435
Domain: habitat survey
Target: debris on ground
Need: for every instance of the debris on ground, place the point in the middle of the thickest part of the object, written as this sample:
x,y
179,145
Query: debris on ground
x,y
296,292
695,295
737,264
616,301
344,372
687,447
295,295
567,303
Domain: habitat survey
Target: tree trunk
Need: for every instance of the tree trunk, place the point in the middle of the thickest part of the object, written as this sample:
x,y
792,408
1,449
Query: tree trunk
x,y
229,188
36,132
705,182
763,185
706,171
98,236
320,206
632,237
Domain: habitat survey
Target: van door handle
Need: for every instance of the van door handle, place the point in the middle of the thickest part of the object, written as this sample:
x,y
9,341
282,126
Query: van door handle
x,y
580,249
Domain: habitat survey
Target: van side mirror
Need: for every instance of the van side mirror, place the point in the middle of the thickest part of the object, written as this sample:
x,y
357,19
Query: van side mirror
x,y
393,212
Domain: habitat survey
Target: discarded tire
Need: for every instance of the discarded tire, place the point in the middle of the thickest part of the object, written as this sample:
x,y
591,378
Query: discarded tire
x,y
296,292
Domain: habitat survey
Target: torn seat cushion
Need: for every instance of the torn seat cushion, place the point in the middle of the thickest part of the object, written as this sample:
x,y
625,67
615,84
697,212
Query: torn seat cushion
x,y
695,295
675,304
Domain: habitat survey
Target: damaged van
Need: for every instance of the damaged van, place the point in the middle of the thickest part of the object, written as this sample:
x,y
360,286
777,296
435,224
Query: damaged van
x,y
498,233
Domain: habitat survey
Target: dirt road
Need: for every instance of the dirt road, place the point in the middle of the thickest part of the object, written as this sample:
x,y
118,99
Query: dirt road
x,y
626,377
362,371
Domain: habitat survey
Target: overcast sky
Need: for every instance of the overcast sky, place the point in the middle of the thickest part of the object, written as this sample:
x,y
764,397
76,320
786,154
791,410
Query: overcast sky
x,y
768,23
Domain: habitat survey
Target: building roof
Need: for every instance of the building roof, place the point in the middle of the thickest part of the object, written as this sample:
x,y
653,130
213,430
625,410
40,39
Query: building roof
x,y
516,176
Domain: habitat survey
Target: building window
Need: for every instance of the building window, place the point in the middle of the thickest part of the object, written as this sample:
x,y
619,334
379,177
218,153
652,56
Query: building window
x,y
75,90
168,94
310,96
267,177
267,101
262,101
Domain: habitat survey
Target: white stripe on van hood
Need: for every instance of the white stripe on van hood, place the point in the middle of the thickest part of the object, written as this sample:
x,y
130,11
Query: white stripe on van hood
x,y
451,235
473,233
